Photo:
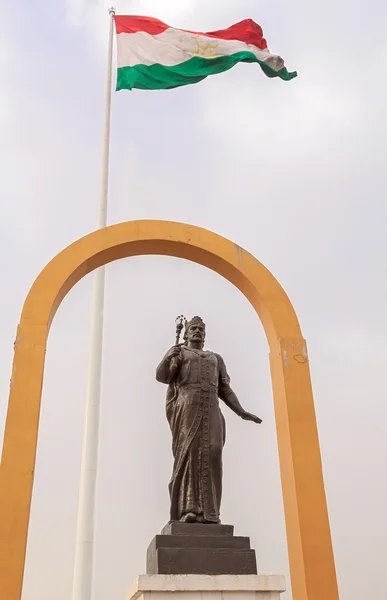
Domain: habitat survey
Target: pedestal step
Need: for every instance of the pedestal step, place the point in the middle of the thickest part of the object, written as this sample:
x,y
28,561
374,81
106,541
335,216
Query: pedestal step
x,y
211,561
207,587
193,541
178,528
191,548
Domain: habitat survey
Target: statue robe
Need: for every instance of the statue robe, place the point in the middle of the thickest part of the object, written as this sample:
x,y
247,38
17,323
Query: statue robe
x,y
196,380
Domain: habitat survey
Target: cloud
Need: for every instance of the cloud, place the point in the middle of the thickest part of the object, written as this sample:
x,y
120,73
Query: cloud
x,y
250,115
8,60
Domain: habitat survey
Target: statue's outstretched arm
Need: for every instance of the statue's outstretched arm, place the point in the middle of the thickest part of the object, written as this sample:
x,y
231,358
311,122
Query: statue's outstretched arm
x,y
229,397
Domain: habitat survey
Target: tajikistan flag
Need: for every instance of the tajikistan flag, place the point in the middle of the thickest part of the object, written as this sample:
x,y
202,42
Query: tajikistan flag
x,y
154,56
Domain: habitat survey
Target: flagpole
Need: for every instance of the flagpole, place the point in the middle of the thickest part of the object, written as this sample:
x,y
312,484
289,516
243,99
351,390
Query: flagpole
x,y
84,547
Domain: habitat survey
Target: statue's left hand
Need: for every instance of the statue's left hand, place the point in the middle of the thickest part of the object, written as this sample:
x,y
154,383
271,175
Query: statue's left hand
x,y
250,417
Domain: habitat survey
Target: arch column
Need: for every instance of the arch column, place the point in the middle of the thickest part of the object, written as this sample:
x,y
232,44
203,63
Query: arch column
x,y
308,534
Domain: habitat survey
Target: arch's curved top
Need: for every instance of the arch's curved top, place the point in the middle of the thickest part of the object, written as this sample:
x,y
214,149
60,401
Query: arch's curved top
x,y
193,243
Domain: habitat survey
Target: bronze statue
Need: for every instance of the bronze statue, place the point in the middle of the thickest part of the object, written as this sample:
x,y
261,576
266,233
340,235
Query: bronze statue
x,y
196,379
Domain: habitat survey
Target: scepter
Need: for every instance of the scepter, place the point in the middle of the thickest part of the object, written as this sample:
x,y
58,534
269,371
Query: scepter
x,y
180,322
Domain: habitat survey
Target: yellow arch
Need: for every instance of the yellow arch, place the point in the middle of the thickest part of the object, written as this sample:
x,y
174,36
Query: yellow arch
x,y
309,541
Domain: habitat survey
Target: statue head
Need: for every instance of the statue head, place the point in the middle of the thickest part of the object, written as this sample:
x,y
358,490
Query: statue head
x,y
195,332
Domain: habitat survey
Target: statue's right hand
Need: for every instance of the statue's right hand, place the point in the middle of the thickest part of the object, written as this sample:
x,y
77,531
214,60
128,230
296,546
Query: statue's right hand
x,y
174,351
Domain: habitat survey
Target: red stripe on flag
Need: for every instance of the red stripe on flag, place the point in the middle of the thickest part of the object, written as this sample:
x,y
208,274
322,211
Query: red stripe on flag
x,y
129,24
245,31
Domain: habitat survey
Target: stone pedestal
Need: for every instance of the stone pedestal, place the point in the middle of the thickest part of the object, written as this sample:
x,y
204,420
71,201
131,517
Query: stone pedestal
x,y
207,587
192,548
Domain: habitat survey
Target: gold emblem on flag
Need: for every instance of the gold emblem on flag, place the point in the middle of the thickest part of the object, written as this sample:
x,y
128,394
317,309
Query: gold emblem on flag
x,y
207,50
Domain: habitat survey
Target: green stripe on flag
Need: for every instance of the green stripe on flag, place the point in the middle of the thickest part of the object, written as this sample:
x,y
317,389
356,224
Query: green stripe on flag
x,y
159,77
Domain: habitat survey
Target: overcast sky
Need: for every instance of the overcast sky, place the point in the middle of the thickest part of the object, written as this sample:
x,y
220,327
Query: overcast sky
x,y
293,172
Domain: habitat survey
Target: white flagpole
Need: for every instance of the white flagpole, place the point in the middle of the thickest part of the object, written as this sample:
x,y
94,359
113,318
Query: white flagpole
x,y
83,564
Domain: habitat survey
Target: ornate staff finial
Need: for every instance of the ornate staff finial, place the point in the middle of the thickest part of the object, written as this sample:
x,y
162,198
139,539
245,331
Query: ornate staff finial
x,y
180,322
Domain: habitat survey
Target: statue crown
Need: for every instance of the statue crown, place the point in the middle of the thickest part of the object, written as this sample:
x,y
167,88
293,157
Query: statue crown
x,y
195,321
